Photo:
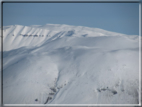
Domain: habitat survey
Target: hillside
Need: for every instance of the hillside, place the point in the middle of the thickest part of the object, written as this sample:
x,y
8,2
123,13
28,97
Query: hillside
x,y
62,64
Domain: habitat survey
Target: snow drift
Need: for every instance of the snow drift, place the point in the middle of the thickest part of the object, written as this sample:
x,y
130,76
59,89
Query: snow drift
x,y
62,64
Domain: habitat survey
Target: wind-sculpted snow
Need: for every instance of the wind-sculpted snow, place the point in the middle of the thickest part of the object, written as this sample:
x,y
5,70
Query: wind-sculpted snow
x,y
16,36
65,64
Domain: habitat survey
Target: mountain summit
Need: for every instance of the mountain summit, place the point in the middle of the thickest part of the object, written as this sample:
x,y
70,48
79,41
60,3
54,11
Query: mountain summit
x,y
16,36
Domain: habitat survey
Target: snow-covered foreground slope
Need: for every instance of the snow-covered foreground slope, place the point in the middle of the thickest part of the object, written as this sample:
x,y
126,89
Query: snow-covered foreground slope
x,y
61,64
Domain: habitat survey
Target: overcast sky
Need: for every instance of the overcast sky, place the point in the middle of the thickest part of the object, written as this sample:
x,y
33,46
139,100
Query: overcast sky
x,y
116,17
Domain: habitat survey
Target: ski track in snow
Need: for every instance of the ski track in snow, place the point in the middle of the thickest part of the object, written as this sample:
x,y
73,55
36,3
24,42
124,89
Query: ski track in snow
x,y
65,64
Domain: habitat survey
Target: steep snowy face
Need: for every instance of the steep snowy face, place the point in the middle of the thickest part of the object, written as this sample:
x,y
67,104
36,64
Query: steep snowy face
x,y
62,64
17,36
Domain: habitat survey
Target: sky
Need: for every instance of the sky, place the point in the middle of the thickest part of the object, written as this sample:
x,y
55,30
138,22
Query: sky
x,y
116,17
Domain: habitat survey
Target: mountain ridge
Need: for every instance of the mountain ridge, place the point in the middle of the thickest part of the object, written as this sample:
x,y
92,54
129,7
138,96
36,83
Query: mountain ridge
x,y
15,34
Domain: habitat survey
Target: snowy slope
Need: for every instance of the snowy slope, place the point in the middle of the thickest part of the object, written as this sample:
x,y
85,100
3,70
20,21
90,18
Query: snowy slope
x,y
62,64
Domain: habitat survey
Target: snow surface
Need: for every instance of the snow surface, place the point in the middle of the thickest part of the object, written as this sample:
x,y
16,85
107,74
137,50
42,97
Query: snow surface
x,y
62,64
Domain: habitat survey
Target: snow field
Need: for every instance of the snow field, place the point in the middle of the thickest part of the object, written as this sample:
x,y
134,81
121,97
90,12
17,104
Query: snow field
x,y
69,65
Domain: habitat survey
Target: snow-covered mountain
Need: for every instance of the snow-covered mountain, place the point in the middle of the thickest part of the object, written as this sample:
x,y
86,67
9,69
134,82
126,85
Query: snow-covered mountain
x,y
62,64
